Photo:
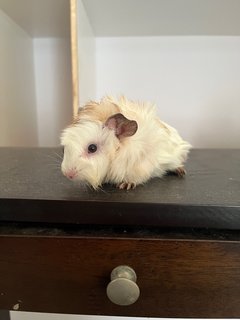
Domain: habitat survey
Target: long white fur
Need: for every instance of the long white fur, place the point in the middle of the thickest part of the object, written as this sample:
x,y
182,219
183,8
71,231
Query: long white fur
x,y
154,149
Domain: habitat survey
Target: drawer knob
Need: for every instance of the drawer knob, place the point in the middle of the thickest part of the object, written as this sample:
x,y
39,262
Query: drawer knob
x,y
123,290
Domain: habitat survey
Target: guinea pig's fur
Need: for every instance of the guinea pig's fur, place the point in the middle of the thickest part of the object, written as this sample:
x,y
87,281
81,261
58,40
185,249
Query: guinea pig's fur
x,y
129,144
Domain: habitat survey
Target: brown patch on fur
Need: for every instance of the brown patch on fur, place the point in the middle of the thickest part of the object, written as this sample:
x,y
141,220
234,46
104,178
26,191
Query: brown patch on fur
x,y
74,122
96,111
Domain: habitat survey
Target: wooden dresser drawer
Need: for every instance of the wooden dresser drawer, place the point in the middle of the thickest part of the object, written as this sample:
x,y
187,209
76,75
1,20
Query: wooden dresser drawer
x,y
59,242
69,274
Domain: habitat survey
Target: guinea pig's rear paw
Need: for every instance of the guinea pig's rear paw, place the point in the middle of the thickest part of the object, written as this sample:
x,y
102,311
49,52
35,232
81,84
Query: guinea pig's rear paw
x,y
180,172
126,185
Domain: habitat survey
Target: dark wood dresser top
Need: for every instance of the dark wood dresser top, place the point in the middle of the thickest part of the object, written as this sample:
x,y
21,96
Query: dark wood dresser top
x,y
33,189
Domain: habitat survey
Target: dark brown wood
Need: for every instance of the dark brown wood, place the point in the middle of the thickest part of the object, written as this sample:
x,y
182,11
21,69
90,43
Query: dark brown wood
x,y
177,278
59,241
4,315
34,190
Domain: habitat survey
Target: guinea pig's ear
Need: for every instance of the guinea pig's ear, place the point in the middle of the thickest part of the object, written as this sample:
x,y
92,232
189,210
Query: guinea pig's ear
x,y
121,125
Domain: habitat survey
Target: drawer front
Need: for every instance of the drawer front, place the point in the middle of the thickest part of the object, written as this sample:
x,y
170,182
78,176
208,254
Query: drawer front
x,y
177,278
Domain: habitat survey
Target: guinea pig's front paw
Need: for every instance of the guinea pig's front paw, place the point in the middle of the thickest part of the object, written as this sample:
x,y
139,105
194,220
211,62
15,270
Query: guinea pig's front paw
x,y
126,185
180,172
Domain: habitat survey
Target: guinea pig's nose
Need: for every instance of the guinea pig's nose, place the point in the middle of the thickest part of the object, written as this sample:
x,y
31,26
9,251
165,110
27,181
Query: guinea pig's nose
x,y
71,174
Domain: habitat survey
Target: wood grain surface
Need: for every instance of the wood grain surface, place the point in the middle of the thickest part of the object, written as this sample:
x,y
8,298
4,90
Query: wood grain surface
x,y
177,278
5,315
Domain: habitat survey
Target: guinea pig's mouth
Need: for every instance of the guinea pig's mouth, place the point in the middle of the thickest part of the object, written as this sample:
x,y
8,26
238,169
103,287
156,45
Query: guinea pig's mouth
x,y
75,175
81,177
71,174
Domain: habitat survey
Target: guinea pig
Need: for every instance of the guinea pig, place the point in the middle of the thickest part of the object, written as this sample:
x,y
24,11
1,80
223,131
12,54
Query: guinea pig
x,y
121,142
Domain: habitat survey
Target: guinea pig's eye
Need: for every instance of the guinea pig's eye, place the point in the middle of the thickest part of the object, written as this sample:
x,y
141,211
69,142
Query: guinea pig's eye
x,y
92,148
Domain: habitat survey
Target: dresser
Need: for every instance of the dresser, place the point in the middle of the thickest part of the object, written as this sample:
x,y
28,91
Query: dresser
x,y
170,248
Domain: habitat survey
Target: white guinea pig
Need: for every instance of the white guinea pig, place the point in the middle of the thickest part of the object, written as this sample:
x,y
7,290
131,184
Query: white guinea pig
x,y
121,142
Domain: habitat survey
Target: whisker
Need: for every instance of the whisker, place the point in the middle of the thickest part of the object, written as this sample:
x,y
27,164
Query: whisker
x,y
56,165
58,155
51,157
54,159
102,190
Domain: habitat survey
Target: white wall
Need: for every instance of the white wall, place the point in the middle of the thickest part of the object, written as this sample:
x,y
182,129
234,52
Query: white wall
x,y
40,316
43,316
52,61
41,19
115,18
35,87
194,81
18,122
